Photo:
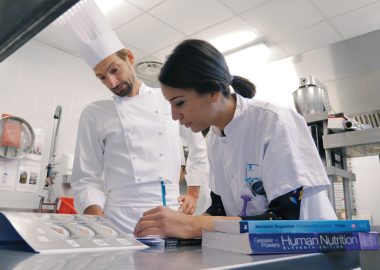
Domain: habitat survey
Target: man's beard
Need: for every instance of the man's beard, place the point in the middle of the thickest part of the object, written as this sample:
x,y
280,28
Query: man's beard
x,y
126,89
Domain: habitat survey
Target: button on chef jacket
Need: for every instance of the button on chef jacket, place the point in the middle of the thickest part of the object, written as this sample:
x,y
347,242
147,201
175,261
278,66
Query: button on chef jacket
x,y
124,148
270,145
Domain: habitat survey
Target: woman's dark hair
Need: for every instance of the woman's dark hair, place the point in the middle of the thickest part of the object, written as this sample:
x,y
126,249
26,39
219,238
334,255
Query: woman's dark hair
x,y
198,64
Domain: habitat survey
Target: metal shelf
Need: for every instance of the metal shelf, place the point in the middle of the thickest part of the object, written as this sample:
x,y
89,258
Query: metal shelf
x,y
316,117
358,143
319,120
334,171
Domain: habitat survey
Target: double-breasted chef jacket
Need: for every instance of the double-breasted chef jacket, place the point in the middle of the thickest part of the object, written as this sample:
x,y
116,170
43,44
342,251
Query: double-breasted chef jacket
x,y
125,148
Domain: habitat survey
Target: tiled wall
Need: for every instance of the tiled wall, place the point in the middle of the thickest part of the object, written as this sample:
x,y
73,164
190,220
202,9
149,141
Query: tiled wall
x,y
33,81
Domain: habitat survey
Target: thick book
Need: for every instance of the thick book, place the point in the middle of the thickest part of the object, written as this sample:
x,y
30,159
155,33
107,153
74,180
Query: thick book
x,y
291,226
263,243
59,233
156,240
177,242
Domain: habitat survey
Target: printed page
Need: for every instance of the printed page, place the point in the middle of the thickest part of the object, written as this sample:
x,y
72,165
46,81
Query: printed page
x,y
55,233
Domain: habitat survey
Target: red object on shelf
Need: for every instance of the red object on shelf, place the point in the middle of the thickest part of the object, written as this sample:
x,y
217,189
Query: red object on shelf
x,y
67,206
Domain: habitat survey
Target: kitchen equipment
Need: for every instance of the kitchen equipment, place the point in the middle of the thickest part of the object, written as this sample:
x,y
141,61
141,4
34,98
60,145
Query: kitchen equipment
x,y
21,20
16,137
369,119
148,72
311,97
66,206
51,170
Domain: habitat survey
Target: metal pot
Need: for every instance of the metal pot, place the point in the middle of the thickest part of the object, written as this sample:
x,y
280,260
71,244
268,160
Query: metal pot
x,y
311,97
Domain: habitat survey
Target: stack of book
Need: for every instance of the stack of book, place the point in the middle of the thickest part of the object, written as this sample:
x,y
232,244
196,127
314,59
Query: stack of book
x,y
290,236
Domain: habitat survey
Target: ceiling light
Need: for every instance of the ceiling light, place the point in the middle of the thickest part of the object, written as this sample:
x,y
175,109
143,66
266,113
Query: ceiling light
x,y
255,54
233,40
107,6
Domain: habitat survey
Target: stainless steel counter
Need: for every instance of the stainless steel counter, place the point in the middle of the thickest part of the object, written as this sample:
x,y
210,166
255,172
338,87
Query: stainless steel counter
x,y
185,258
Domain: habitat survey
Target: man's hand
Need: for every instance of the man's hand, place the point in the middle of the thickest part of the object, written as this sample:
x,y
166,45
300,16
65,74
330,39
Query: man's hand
x,y
189,200
94,210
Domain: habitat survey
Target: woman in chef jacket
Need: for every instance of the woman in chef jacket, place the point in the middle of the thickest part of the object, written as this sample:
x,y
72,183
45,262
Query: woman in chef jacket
x,y
263,161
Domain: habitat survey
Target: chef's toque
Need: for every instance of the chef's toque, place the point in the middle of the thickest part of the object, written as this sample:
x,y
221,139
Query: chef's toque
x,y
94,37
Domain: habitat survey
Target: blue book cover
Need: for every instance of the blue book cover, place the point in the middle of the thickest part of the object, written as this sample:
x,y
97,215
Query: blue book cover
x,y
291,226
312,242
287,243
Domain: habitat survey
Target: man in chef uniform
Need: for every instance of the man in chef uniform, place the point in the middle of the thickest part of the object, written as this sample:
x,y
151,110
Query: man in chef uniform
x,y
126,146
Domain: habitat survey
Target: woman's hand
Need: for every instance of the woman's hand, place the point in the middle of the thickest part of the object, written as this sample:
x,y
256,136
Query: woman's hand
x,y
166,222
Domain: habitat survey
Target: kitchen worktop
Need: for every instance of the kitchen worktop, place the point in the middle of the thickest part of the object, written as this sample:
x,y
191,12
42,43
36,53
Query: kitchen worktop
x,y
184,258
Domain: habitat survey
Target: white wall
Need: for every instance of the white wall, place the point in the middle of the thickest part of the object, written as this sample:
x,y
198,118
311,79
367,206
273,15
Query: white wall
x,y
33,81
367,187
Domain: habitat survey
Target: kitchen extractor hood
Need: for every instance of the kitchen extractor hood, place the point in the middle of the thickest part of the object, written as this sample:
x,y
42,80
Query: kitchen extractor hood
x,y
21,20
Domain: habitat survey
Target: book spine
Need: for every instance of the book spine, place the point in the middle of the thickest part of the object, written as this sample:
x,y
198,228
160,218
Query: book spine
x,y
182,242
287,226
312,242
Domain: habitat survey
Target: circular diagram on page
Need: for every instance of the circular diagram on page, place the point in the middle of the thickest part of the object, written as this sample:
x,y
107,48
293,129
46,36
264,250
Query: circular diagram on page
x,y
108,231
59,230
84,231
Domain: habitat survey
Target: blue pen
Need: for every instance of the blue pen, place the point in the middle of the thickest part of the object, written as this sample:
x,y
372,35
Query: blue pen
x,y
163,192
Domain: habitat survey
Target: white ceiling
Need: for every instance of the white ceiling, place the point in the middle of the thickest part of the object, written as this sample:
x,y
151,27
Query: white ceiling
x,y
152,28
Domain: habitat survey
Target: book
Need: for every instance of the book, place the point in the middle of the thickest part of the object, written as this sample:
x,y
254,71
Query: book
x,y
59,233
177,242
168,242
291,226
264,243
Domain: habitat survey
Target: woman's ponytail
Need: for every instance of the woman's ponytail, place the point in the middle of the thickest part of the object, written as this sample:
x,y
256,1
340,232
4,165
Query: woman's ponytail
x,y
243,87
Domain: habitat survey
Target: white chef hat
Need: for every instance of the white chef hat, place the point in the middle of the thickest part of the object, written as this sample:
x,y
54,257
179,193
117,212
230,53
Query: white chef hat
x,y
93,35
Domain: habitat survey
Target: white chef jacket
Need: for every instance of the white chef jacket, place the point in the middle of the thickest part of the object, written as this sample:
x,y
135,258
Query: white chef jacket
x,y
125,147
271,146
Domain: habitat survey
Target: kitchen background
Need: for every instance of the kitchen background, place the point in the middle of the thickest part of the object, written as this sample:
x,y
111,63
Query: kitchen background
x,y
335,41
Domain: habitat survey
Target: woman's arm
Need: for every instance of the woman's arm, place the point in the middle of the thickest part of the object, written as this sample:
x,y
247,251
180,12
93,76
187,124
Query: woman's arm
x,y
286,206
166,222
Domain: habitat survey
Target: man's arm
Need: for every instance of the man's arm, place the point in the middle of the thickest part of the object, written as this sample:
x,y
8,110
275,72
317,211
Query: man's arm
x,y
86,183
